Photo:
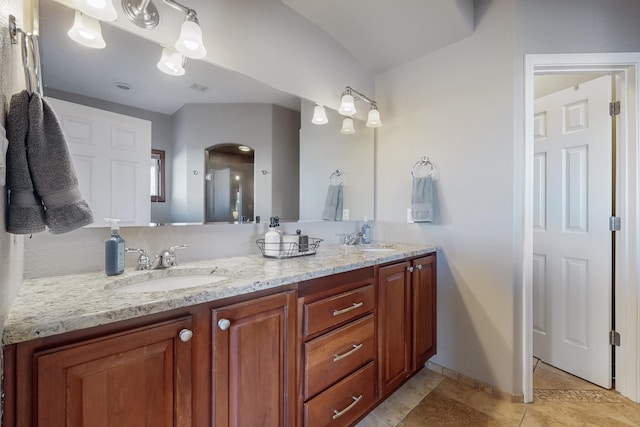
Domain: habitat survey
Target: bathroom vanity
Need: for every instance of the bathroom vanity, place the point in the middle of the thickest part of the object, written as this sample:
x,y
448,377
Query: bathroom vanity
x,y
311,341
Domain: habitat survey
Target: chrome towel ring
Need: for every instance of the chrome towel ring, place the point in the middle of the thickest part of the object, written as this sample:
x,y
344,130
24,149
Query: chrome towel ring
x,y
424,161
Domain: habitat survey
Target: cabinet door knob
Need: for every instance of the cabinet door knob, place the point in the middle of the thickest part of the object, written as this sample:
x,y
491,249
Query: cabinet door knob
x,y
185,335
224,324
419,266
410,269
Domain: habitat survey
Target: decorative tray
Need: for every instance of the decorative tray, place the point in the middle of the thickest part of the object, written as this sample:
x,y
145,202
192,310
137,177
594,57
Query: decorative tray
x,y
288,249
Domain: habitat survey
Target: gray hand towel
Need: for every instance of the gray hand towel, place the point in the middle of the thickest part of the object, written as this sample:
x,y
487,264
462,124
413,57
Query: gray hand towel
x,y
333,203
52,171
25,213
422,199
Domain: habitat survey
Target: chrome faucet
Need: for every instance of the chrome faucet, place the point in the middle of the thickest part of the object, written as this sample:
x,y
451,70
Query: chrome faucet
x,y
144,262
353,238
166,258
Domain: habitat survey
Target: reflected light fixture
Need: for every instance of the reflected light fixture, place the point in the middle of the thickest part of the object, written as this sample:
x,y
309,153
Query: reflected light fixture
x,y
98,9
347,126
373,119
319,115
86,31
348,108
347,103
171,62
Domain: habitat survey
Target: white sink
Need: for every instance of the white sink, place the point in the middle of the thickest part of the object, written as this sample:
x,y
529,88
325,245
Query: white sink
x,y
170,283
377,248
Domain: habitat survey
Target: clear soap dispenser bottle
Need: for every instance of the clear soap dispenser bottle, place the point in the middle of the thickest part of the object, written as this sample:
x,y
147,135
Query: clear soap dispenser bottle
x,y
114,250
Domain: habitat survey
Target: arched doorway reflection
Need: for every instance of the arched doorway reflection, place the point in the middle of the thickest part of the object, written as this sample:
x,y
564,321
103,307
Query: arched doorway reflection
x,y
229,183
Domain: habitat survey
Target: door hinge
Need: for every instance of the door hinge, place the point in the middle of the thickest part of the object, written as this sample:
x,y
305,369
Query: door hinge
x,y
614,223
614,338
614,108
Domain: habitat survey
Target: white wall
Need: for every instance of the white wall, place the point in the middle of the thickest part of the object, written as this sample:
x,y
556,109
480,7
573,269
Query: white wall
x,y
463,107
12,81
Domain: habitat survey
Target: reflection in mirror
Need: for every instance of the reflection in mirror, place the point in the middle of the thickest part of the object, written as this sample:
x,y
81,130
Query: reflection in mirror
x,y
208,106
229,183
157,175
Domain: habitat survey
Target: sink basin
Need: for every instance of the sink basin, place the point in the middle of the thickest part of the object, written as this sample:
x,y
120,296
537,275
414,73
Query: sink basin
x,y
377,248
170,283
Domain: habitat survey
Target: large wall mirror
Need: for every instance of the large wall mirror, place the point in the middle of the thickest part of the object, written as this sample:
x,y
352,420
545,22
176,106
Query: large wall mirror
x,y
119,91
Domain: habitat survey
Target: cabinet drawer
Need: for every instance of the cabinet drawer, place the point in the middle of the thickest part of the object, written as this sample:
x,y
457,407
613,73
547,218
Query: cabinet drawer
x,y
328,312
335,355
343,403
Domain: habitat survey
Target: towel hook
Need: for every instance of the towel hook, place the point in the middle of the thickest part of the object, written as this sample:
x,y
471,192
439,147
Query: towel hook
x,y
337,174
424,161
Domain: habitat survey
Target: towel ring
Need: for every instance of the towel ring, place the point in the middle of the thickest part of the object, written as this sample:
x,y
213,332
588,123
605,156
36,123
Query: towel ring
x,y
424,161
337,175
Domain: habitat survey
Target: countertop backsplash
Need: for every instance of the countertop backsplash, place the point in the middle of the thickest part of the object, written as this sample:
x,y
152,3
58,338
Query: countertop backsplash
x,y
82,251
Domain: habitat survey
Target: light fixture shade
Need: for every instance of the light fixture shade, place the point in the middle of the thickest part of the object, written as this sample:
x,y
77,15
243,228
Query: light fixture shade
x,y
99,9
171,62
347,126
319,115
86,31
190,42
373,119
347,105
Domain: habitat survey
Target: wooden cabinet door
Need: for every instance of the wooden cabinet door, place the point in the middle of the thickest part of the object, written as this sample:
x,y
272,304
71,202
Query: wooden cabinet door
x,y
254,362
394,326
423,284
137,378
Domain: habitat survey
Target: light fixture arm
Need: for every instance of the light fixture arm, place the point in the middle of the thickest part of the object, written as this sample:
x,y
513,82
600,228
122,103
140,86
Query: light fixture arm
x,y
191,13
357,95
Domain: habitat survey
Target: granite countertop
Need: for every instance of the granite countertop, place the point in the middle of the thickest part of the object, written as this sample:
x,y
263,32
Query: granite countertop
x,y
54,305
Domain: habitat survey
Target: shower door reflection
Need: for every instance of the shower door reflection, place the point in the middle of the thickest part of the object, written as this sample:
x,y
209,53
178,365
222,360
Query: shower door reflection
x,y
229,183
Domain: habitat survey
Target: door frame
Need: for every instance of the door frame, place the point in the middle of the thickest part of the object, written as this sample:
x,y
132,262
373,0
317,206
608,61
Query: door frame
x,y
627,298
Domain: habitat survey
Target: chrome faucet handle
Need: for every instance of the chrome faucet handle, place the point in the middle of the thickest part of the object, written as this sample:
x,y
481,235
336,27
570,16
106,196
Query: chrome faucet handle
x,y
170,255
144,262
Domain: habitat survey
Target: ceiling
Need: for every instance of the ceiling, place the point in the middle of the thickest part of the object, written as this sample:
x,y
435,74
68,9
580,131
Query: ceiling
x,y
383,34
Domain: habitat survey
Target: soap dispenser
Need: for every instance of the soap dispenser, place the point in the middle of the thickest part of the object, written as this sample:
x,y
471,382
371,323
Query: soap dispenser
x,y
114,249
273,238
366,231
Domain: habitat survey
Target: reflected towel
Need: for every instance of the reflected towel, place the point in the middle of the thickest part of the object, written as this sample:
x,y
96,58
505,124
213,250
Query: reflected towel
x,y
26,213
52,171
333,204
422,199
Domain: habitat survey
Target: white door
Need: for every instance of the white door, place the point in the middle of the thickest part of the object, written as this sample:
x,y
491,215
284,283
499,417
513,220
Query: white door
x,y
111,154
572,241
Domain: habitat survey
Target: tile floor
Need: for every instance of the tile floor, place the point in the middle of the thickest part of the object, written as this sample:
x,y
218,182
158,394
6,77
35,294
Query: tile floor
x,y
560,399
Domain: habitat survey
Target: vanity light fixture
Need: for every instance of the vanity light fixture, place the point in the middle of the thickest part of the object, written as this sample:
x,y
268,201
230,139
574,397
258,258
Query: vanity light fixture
x,y
102,10
347,126
171,62
319,115
86,31
348,108
190,41
142,13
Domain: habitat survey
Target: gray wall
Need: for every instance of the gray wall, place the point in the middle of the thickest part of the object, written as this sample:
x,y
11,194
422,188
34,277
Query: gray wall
x,y
285,164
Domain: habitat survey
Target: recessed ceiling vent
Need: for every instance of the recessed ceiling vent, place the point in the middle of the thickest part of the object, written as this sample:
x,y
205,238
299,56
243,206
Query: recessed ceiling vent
x,y
199,88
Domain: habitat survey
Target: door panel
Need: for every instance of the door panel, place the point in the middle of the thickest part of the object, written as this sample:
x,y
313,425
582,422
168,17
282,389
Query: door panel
x,y
572,242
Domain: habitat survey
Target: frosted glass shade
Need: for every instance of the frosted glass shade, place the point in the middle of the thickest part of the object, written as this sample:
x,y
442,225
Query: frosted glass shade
x,y
347,126
347,106
171,62
86,31
190,42
98,9
319,115
373,119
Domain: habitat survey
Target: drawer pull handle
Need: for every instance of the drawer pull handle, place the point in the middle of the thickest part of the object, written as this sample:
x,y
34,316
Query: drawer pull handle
x,y
355,348
348,309
337,414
